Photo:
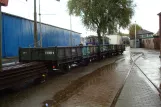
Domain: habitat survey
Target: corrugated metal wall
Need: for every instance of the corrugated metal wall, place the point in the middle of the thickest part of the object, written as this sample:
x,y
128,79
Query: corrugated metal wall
x,y
18,32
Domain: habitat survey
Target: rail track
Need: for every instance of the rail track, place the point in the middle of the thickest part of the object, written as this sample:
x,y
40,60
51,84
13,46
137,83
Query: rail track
x,y
20,73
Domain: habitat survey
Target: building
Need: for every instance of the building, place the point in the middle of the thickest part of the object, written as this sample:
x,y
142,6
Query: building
x,y
144,34
126,40
18,32
93,40
115,39
146,39
132,43
83,41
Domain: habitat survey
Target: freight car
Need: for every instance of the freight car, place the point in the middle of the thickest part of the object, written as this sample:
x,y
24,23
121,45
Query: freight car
x,y
63,57
35,63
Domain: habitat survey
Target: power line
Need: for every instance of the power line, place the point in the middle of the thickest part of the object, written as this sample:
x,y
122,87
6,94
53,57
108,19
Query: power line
x,y
27,5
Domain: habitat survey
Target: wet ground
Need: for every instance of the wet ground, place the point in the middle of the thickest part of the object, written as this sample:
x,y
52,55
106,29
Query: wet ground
x,y
138,92
150,64
140,88
96,85
34,96
100,89
102,86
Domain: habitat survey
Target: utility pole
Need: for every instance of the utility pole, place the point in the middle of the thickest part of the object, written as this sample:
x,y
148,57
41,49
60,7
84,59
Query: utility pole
x,y
35,26
40,23
71,31
2,3
0,38
135,34
103,39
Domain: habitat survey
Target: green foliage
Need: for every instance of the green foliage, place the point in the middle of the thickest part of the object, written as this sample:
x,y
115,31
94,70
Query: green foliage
x,y
103,16
123,34
132,30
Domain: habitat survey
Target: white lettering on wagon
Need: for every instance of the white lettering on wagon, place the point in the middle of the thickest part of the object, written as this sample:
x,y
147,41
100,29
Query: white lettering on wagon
x,y
49,52
24,53
73,50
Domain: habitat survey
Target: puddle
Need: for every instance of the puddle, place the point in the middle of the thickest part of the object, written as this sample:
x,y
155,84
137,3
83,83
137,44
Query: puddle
x,y
79,84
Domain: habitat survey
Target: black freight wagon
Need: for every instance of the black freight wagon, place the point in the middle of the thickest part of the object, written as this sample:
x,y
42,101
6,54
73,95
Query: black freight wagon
x,y
35,63
63,57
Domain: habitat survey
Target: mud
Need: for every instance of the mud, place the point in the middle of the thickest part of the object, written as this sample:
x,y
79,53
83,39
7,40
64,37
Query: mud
x,y
76,86
95,89
33,96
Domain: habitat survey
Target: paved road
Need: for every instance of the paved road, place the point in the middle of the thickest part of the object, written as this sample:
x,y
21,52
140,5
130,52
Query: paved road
x,y
138,92
150,64
142,85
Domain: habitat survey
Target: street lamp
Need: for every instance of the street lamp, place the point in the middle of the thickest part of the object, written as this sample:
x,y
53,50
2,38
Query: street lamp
x,y
41,36
40,24
35,26
74,42
135,34
71,30
0,39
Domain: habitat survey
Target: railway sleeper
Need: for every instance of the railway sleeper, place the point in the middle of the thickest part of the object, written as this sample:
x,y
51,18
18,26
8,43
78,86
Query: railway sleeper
x,y
29,71
18,84
19,78
21,69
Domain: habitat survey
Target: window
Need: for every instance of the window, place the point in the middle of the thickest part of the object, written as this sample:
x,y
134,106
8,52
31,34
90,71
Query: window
x,y
141,36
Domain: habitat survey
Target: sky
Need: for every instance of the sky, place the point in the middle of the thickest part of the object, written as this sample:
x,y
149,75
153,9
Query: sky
x,y
56,13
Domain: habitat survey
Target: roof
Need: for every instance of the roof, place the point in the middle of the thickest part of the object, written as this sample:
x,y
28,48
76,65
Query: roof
x,y
157,34
143,31
12,15
159,13
96,37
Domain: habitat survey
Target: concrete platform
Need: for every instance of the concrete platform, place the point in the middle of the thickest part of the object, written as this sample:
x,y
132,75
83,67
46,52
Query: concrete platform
x,y
138,92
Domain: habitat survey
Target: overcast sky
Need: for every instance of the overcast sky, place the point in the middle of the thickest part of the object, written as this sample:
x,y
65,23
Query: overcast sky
x,y
145,13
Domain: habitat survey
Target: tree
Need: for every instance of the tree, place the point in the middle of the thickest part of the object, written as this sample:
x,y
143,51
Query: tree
x,y
132,30
103,16
123,34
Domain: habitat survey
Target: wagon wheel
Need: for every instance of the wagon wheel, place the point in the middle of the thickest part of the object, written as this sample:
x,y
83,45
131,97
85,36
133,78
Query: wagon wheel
x,y
90,60
66,68
41,79
86,62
